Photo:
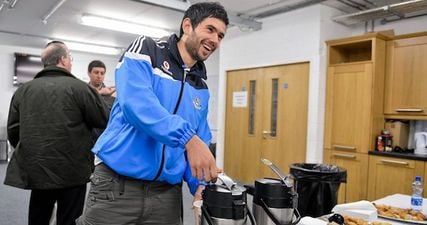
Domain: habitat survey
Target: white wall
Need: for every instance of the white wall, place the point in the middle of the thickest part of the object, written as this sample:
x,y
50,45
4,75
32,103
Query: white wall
x,y
80,63
296,36
212,81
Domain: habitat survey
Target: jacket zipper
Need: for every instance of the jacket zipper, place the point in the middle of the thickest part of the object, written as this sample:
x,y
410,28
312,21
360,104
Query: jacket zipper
x,y
186,69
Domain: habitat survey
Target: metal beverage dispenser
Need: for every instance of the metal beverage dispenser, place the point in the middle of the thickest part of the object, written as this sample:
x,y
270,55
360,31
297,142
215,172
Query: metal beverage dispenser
x,y
225,203
275,200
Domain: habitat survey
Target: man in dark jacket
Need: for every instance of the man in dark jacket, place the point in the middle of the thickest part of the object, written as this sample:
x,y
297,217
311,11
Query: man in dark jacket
x,y
96,72
50,122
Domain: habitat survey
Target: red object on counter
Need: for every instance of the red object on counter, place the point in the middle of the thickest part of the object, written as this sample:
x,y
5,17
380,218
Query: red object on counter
x,y
380,144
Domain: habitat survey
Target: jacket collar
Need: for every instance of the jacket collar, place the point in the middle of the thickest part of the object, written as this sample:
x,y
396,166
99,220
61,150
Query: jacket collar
x,y
54,71
198,69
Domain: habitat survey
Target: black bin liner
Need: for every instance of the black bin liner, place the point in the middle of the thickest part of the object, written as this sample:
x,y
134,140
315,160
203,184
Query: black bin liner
x,y
317,187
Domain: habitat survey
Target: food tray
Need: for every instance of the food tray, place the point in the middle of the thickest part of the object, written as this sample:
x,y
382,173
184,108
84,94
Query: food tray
x,y
402,220
400,201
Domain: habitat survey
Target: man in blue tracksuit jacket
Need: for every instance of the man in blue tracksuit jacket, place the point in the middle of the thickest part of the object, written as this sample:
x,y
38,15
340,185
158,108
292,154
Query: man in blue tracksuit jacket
x,y
157,134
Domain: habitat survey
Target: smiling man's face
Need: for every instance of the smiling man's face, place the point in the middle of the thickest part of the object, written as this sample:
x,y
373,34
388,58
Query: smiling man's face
x,y
205,38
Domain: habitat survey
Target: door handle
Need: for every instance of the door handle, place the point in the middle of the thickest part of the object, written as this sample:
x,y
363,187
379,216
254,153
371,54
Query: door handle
x,y
266,133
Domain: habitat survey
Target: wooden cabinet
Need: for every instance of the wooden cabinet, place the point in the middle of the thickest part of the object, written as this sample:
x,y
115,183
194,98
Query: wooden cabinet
x,y
389,176
349,103
406,77
356,165
355,86
354,107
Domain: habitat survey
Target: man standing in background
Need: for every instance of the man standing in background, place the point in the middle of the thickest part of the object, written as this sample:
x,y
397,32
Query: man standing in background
x,y
96,72
49,125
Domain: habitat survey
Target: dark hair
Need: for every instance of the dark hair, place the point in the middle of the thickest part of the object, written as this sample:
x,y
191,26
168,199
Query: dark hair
x,y
53,56
95,63
202,10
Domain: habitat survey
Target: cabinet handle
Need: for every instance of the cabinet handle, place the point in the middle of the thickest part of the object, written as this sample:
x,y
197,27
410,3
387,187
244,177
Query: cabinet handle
x,y
344,156
344,147
409,110
394,162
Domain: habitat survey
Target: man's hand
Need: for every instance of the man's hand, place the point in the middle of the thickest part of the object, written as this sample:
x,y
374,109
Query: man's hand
x,y
107,91
201,160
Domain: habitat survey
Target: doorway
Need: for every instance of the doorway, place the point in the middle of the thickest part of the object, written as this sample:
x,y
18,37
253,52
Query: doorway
x,y
266,117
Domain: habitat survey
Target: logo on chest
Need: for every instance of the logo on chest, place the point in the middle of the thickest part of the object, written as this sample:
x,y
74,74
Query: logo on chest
x,y
165,67
197,103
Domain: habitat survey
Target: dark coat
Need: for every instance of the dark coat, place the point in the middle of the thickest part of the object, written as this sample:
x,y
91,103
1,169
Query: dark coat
x,y
50,123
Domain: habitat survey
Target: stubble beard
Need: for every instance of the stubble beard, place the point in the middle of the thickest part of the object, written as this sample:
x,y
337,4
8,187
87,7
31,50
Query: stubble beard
x,y
190,46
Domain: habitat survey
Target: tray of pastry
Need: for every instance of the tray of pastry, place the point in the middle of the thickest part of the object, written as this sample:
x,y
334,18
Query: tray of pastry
x,y
401,214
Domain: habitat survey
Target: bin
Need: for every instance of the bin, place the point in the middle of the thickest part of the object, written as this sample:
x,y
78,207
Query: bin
x,y
317,187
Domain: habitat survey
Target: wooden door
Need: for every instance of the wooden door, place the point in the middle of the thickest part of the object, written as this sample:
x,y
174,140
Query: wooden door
x,y
406,79
348,113
240,154
272,124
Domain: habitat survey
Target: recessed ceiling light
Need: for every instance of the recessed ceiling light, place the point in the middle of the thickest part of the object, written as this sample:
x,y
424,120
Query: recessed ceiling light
x,y
123,26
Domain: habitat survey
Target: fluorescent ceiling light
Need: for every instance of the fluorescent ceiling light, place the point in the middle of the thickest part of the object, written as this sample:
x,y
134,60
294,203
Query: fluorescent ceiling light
x,y
82,47
123,26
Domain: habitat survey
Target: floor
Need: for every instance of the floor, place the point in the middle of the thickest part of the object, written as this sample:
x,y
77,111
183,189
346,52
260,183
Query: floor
x,y
14,203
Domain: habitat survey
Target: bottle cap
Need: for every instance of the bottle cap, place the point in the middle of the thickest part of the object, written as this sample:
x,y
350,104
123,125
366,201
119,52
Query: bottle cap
x,y
386,132
418,178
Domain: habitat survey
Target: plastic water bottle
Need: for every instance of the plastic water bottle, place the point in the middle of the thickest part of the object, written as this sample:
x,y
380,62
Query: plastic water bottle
x,y
417,194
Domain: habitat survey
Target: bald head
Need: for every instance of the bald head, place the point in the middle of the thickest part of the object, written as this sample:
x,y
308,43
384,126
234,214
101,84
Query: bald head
x,y
56,54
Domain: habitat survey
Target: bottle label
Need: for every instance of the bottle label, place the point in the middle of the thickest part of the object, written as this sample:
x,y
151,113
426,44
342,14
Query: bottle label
x,y
380,143
416,201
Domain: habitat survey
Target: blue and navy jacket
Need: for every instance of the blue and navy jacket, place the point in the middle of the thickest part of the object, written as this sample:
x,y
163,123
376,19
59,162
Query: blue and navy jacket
x,y
160,105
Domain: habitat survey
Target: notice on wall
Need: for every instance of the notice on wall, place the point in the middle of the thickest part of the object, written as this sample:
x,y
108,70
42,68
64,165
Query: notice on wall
x,y
240,99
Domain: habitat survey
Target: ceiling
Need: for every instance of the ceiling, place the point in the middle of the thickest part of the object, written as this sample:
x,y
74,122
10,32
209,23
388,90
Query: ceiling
x,y
21,21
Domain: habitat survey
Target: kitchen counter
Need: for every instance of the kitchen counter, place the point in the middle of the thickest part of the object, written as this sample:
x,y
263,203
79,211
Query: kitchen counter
x,y
400,155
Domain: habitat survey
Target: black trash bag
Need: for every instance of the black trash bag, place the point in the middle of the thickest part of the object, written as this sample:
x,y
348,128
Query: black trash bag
x,y
317,187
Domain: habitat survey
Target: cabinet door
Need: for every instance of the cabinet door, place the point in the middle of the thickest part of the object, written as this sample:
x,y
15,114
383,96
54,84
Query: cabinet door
x,y
389,176
356,165
349,103
406,77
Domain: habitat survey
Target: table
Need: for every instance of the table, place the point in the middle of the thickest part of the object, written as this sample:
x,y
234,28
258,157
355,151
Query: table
x,y
396,200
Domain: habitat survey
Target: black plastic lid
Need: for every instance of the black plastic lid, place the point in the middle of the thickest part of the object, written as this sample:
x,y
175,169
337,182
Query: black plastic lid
x,y
274,193
221,203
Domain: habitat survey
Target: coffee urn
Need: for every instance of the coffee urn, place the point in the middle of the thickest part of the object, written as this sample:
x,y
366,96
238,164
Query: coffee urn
x,y
225,203
275,201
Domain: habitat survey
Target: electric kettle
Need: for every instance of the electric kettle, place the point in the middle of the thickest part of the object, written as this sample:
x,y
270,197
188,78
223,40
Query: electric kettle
x,y
225,203
421,143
